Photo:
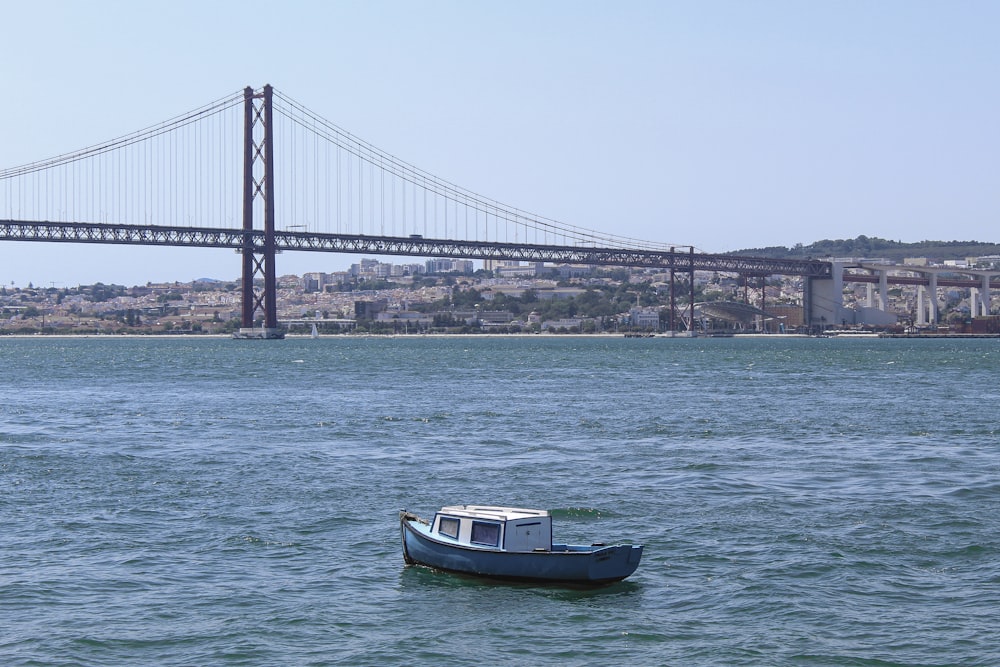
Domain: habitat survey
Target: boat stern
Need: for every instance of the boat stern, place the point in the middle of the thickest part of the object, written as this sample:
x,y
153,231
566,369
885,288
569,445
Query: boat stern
x,y
615,563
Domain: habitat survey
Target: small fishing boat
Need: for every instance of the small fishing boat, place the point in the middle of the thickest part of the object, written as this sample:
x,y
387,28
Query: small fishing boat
x,y
509,543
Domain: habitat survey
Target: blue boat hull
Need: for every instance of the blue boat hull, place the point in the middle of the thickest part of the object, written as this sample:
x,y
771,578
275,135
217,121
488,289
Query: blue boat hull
x,y
596,564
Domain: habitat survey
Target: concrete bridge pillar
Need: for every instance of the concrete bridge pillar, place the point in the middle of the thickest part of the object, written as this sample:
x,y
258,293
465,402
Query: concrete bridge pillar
x,y
883,289
921,313
933,298
825,299
985,296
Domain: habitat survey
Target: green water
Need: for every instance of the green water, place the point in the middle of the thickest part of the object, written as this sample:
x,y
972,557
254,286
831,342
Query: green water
x,y
205,501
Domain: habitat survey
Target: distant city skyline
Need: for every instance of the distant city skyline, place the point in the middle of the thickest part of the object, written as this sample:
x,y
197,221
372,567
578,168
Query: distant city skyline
x,y
341,262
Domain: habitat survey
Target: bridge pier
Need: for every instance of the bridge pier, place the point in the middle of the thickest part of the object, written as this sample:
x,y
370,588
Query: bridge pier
x,y
823,299
878,300
933,298
883,290
927,304
984,295
921,313
673,298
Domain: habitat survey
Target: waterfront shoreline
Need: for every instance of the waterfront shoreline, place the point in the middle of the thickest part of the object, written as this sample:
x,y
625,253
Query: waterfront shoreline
x,y
186,336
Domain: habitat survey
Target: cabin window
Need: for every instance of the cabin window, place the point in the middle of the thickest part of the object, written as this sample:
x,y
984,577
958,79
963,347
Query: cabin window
x,y
485,533
448,526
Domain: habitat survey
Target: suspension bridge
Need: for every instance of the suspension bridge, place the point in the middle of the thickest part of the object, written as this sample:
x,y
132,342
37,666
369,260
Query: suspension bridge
x,y
260,173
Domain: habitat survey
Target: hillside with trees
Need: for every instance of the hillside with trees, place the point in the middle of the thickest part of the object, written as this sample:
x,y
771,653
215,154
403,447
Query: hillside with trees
x,y
873,247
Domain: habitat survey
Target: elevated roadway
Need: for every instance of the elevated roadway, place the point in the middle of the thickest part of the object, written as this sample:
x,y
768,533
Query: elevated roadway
x,y
413,246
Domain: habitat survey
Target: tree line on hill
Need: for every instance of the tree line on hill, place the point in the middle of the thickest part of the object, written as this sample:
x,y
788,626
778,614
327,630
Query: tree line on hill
x,y
874,247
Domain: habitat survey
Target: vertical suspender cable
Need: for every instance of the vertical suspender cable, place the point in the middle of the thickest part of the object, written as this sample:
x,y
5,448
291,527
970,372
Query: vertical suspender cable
x,y
361,193
90,176
326,180
196,151
223,186
338,189
350,193
316,179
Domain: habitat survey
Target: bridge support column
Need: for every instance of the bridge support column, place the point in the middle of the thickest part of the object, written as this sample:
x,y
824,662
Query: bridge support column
x,y
258,260
985,296
824,299
691,297
933,299
921,313
883,289
673,299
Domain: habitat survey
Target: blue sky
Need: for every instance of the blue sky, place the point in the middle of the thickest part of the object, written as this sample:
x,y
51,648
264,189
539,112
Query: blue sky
x,y
718,124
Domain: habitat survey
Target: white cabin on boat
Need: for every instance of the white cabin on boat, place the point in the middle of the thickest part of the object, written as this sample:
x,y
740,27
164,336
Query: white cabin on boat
x,y
487,526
